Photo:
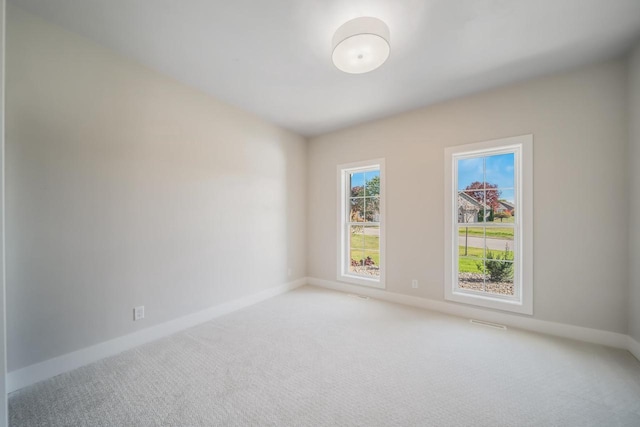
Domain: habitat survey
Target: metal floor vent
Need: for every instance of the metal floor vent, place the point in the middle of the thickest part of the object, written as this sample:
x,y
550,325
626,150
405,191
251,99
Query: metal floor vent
x,y
358,296
488,324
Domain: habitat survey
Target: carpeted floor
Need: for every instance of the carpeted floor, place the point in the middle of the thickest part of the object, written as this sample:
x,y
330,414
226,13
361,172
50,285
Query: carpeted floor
x,y
314,358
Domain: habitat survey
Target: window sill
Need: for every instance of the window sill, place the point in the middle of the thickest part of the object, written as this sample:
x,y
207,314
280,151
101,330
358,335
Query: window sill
x,y
362,281
512,305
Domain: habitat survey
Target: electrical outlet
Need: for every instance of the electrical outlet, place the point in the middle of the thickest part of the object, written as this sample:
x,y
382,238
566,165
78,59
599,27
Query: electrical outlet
x,y
414,284
138,313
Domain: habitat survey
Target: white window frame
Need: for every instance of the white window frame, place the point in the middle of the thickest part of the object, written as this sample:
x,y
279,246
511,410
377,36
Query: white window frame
x,y
522,301
344,192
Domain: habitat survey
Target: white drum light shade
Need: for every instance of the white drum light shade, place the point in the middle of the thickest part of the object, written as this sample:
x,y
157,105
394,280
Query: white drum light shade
x,y
361,45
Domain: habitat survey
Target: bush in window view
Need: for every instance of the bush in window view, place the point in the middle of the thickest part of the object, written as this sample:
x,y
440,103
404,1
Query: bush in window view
x,y
496,267
367,261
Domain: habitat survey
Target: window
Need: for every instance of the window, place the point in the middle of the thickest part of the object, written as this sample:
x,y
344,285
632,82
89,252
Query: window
x,y
361,223
488,224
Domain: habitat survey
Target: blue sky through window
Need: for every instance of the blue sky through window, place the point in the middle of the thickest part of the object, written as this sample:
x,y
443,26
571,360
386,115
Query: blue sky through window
x,y
498,169
357,179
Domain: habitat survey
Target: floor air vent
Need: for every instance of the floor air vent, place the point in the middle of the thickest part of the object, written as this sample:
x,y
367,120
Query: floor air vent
x,y
358,296
488,324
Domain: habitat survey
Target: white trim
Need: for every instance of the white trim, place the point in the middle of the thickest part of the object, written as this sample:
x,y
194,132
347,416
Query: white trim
x,y
595,336
341,205
522,146
3,295
634,347
49,368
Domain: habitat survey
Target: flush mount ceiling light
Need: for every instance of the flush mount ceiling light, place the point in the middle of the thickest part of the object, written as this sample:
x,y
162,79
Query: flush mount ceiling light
x,y
361,45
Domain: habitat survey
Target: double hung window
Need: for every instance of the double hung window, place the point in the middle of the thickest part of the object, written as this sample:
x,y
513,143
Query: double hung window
x,y
361,223
488,207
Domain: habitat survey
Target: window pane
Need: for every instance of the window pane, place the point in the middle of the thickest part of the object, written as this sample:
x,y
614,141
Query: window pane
x,y
491,200
372,209
499,241
470,273
470,171
356,237
471,241
372,238
372,183
356,264
471,207
506,208
499,170
356,212
365,250
499,277
372,263
357,184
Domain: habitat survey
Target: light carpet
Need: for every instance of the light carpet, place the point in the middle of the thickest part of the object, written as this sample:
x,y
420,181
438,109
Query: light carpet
x,y
314,357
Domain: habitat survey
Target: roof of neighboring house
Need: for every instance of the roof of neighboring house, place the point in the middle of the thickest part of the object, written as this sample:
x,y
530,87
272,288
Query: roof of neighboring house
x,y
471,200
507,204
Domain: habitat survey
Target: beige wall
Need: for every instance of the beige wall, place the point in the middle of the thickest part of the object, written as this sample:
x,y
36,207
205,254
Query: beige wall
x,y
578,120
634,194
127,188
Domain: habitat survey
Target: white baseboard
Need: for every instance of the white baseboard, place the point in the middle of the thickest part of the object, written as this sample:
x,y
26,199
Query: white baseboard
x,y
49,368
634,347
596,336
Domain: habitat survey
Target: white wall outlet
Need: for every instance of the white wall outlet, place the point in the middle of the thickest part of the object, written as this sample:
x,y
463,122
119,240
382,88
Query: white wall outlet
x,y
414,284
138,313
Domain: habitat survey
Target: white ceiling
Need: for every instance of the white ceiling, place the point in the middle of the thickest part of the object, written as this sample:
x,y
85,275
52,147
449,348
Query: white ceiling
x,y
273,57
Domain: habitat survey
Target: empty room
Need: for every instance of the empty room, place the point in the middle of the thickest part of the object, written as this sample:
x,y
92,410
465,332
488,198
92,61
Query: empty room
x,y
320,213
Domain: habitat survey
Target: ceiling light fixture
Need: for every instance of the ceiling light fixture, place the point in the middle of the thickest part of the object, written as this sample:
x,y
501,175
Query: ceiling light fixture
x,y
361,45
